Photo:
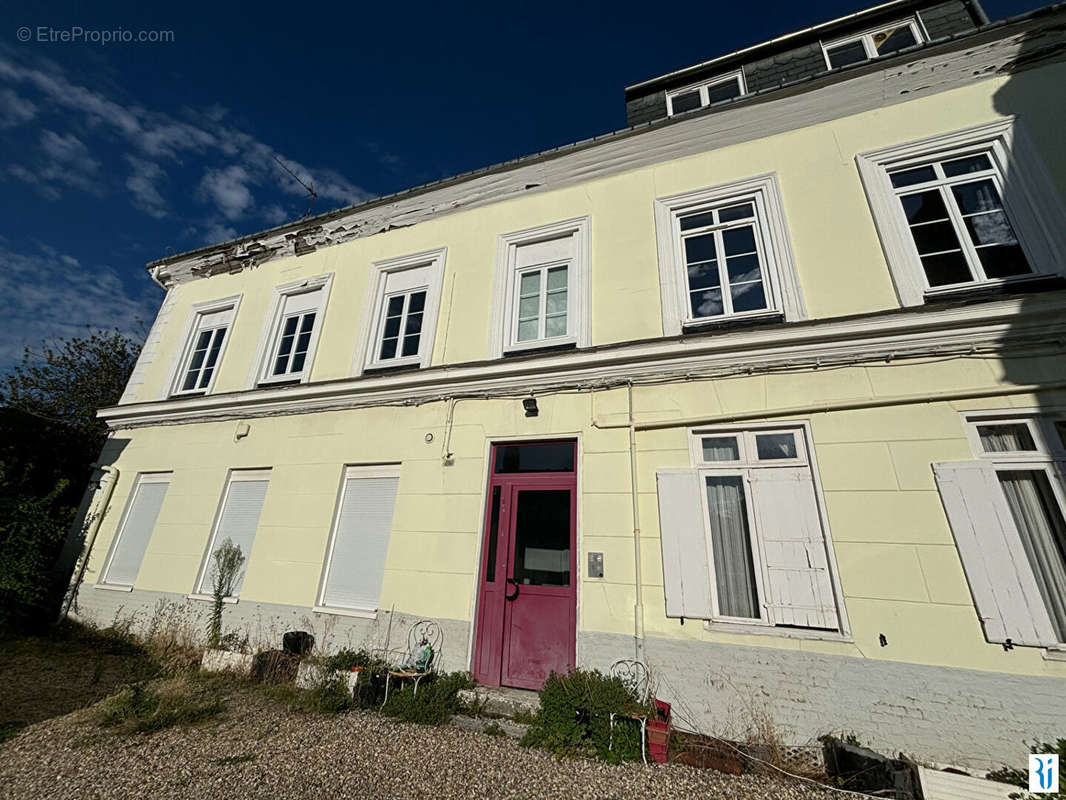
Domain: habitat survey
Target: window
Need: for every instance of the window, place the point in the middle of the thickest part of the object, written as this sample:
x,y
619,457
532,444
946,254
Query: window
x,y
205,339
237,521
542,288
401,316
355,561
743,534
724,254
287,348
134,531
872,44
950,219
1007,511
718,90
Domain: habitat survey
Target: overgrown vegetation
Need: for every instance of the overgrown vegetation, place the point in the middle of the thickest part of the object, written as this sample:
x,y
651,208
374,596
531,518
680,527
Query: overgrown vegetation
x,y
49,437
151,706
437,699
574,717
1020,777
227,561
345,659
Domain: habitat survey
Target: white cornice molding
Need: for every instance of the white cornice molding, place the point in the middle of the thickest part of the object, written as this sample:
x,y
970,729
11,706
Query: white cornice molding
x,y
930,70
896,334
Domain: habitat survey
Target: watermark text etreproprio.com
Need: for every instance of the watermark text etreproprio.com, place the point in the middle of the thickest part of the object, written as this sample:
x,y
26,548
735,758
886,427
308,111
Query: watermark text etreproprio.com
x,y
76,34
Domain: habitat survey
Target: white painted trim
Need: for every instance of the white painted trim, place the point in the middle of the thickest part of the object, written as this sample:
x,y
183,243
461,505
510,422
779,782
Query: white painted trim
x,y
180,358
113,587
369,334
346,612
259,373
703,86
782,281
866,37
501,321
897,334
1033,204
207,598
349,472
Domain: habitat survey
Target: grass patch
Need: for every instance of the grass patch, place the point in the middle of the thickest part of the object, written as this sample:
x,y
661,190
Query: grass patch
x,y
147,707
437,699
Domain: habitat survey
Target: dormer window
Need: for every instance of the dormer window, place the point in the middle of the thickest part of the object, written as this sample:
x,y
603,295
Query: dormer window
x,y
709,93
872,44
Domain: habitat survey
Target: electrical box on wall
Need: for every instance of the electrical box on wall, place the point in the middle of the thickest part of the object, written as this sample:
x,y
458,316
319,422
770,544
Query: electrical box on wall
x,y
595,565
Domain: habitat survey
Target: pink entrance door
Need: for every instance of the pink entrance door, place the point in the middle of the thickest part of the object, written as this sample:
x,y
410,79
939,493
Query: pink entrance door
x,y
527,609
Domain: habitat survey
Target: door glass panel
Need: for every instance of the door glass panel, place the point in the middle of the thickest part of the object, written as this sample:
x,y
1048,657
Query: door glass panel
x,y
547,457
494,533
542,538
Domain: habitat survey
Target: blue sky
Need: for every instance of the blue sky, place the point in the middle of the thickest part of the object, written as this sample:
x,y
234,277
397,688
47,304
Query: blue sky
x,y
112,155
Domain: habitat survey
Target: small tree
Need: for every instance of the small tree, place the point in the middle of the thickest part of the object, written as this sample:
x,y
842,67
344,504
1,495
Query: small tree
x,y
228,560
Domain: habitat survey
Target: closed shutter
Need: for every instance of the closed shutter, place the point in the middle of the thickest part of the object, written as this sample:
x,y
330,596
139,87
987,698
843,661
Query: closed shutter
x,y
360,543
237,522
686,569
132,540
534,253
404,280
303,301
1001,581
800,589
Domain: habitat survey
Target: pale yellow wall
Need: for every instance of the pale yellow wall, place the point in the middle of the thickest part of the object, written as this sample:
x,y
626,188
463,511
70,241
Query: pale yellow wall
x,y
898,566
841,266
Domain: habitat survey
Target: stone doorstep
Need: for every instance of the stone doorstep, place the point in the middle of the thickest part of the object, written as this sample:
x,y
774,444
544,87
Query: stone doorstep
x,y
501,701
506,727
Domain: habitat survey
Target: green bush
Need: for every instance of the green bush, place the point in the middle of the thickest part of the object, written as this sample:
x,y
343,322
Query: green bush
x,y
575,713
146,707
1020,777
437,699
344,660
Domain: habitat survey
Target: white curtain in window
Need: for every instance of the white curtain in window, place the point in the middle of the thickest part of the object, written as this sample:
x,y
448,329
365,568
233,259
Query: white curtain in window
x,y
1040,524
360,543
1008,438
734,570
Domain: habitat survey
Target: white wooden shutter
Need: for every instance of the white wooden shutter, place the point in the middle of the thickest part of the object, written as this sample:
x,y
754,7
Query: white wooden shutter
x,y
303,301
559,249
799,588
403,280
237,522
1001,581
360,543
132,540
686,569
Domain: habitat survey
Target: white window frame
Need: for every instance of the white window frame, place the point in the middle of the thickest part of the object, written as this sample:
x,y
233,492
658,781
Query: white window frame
x,y
503,337
703,87
351,471
1031,201
866,37
781,282
805,457
369,341
234,476
189,334
271,333
140,479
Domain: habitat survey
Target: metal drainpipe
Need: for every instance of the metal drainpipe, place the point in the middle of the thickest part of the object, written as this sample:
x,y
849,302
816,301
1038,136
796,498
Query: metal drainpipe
x,y
112,473
638,609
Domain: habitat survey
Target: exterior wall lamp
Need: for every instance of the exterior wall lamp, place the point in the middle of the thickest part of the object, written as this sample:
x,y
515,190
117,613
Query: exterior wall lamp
x,y
530,405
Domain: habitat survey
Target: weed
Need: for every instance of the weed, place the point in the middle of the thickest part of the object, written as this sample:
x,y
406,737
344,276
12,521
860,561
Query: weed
x,y
1020,777
345,659
9,730
575,717
437,699
493,729
146,707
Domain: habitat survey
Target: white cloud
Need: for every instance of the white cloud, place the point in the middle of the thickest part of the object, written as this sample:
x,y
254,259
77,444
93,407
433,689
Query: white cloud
x,y
216,232
228,188
44,298
15,110
275,215
143,186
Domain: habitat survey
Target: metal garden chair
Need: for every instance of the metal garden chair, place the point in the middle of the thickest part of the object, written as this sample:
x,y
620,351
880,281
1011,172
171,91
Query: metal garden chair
x,y
424,641
637,678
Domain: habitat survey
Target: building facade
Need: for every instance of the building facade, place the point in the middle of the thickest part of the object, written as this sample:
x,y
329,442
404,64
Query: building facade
x,y
767,390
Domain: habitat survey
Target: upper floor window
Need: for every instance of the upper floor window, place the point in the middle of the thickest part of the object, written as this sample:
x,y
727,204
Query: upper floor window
x,y
205,339
724,254
964,210
1007,511
291,333
717,90
744,535
402,310
542,288
872,44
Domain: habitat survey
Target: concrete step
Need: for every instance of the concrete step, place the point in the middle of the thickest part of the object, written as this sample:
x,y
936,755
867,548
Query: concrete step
x,y
491,727
492,701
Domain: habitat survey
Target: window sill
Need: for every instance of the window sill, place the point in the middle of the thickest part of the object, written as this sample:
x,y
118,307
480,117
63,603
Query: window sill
x,y
346,612
982,291
206,598
771,630
112,587
515,352
180,395
265,384
732,323
1055,654
385,369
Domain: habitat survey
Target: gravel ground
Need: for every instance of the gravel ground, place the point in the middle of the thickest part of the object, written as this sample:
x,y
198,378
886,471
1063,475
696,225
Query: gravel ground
x,y
259,750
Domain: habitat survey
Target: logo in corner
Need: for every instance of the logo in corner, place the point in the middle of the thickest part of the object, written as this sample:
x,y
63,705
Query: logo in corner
x,y
1043,773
